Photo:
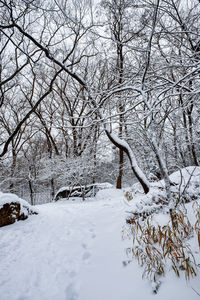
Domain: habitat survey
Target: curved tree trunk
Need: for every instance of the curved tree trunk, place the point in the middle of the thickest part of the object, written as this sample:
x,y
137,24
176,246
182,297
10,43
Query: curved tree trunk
x,y
134,166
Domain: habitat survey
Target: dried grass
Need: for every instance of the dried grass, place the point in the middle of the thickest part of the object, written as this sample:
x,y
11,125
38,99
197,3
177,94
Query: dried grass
x,y
157,247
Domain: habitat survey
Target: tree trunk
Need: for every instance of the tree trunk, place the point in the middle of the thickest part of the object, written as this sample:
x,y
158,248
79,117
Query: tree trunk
x,y
120,144
31,191
192,146
121,157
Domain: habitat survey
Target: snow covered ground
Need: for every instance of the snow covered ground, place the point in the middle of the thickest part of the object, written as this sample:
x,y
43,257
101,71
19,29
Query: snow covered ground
x,y
74,250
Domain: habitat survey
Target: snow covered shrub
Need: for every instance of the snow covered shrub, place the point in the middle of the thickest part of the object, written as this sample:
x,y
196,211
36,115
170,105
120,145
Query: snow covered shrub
x,y
161,248
185,188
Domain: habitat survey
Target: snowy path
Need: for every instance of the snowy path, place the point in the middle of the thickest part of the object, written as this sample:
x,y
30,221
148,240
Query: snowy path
x,y
74,251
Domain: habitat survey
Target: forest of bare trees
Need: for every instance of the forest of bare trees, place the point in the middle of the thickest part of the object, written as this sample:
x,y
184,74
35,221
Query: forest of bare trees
x,y
96,91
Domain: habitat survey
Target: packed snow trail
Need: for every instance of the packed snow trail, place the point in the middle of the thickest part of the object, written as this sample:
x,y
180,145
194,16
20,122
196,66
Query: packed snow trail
x,y
74,250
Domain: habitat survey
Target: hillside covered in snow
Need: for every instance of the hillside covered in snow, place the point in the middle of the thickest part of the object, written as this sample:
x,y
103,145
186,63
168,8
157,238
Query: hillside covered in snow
x,y
82,250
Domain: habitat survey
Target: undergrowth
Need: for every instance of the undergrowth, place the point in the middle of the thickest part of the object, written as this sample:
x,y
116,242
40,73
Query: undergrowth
x,y
161,248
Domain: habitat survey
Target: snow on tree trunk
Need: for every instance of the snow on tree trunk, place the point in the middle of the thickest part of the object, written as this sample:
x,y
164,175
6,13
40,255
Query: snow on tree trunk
x,y
121,144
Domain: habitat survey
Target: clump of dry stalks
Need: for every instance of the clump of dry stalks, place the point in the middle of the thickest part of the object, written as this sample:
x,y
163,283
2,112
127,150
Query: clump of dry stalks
x,y
157,247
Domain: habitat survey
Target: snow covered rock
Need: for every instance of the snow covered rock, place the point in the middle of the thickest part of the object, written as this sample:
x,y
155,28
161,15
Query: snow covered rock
x,y
84,191
76,191
13,208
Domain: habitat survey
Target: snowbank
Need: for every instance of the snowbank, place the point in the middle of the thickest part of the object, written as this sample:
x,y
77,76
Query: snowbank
x,y
183,176
186,187
109,194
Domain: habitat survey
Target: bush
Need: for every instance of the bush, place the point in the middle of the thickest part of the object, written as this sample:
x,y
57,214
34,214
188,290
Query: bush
x,y
158,247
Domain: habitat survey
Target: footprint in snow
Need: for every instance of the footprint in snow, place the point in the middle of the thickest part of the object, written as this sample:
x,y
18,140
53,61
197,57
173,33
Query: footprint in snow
x,y
71,292
84,245
22,298
72,274
92,232
86,255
